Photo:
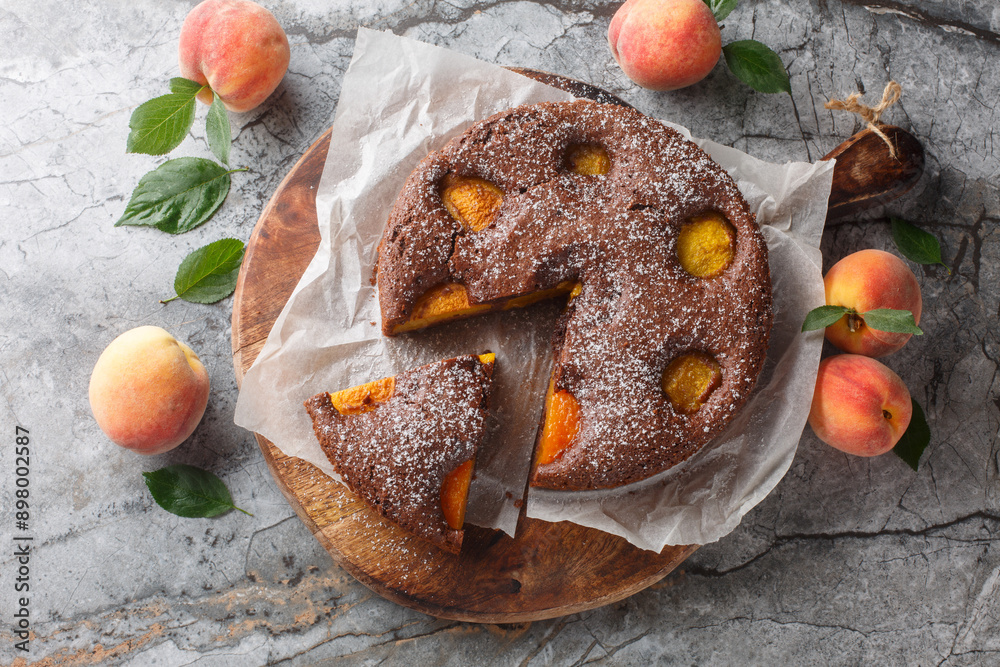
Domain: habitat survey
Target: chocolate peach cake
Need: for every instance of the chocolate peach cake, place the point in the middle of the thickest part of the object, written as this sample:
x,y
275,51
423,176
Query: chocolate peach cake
x,y
663,265
407,444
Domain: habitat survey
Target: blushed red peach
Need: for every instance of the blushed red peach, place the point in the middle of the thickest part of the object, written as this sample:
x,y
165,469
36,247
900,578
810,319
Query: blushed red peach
x,y
236,47
148,391
665,44
868,280
860,406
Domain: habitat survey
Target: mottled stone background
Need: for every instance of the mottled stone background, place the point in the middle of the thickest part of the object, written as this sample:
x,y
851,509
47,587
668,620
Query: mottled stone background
x,y
849,561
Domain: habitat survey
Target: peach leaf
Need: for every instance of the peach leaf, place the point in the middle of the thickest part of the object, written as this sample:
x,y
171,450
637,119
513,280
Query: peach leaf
x,y
915,439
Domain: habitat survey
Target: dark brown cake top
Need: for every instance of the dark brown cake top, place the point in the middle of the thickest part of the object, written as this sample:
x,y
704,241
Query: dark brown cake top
x,y
616,235
397,455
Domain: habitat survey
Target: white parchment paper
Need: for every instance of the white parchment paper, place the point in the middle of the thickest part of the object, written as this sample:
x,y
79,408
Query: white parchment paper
x,y
402,99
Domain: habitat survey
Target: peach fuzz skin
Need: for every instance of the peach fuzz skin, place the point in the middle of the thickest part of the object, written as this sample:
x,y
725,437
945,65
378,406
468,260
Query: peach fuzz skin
x,y
860,405
665,44
148,391
236,47
867,280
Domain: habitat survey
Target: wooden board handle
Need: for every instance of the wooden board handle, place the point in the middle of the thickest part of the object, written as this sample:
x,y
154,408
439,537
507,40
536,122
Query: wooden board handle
x,y
867,175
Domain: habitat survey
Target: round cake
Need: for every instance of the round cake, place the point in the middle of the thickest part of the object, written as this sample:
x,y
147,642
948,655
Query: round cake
x,y
665,269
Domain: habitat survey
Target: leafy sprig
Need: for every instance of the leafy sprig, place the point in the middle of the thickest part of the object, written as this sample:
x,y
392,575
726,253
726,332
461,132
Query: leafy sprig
x,y
160,125
220,134
190,492
915,439
186,192
882,319
721,8
209,273
757,66
753,62
915,244
178,196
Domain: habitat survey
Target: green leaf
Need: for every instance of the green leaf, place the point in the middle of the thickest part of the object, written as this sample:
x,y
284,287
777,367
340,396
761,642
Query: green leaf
x,y
915,439
220,135
721,8
160,125
184,86
757,66
915,244
824,316
178,195
189,491
209,273
893,321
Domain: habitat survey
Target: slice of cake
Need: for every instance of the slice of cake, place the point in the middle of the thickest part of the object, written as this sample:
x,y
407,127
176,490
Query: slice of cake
x,y
407,444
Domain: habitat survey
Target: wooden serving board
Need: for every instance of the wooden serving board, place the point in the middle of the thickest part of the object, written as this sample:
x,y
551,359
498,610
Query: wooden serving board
x,y
547,569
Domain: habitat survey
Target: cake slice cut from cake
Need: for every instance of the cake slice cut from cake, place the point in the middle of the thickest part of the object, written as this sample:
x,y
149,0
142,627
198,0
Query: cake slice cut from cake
x,y
407,444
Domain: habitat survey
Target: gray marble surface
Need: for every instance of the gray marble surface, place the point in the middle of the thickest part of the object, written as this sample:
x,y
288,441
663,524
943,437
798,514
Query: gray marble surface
x,y
849,561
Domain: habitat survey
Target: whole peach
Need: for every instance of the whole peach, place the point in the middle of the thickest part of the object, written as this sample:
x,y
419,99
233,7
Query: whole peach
x,y
860,406
236,47
148,391
665,44
866,280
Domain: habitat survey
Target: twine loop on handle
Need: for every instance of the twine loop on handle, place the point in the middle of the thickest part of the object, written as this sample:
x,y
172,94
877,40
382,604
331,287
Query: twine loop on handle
x,y
871,115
